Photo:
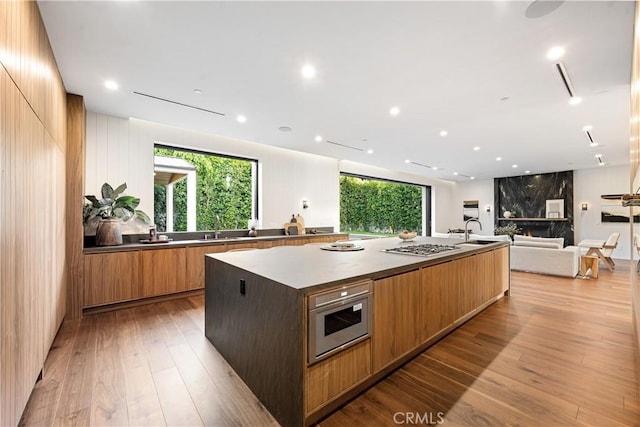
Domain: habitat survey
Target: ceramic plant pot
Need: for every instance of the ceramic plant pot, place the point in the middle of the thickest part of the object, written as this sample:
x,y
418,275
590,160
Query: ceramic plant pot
x,y
108,232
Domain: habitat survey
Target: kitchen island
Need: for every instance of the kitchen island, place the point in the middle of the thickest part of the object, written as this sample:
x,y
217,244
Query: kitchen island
x,y
265,312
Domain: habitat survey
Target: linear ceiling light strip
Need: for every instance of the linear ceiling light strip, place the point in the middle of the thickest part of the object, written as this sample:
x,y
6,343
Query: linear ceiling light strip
x,y
565,78
344,145
177,103
589,136
421,164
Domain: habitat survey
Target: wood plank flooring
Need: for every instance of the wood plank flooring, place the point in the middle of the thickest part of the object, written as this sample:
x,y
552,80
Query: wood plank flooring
x,y
557,352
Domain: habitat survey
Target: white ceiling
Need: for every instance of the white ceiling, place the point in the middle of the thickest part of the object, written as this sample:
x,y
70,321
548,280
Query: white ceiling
x,y
445,64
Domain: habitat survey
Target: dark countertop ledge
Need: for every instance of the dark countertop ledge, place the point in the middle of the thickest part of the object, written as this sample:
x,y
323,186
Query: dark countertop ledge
x,y
196,242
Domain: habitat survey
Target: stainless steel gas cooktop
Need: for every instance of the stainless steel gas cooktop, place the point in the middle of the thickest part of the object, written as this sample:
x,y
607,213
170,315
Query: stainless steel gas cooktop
x,y
425,249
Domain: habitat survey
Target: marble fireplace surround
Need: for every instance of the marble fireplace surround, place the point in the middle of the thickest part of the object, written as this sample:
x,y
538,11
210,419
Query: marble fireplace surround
x,y
526,195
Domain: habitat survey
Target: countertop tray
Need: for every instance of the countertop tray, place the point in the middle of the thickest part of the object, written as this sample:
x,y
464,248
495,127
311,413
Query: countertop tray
x,y
156,241
342,248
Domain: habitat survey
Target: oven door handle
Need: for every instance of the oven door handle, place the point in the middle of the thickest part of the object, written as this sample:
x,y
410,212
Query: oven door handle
x,y
339,300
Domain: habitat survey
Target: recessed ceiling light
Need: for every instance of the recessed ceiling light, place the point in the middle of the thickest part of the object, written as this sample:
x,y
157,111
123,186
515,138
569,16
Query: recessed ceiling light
x,y
498,159
435,168
308,71
407,161
593,144
241,118
555,53
318,138
455,173
514,166
598,155
369,151
527,171
394,111
476,148
197,91
284,129
601,163
444,133
587,128
473,177
111,85
575,100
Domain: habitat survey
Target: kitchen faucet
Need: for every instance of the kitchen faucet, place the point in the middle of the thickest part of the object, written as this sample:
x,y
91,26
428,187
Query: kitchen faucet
x,y
216,225
466,227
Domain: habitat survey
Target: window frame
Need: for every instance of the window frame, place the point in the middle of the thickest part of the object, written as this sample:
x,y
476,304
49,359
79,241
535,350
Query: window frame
x,y
426,197
255,164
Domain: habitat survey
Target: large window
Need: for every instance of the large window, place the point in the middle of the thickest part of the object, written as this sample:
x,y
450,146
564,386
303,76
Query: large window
x,y
374,206
198,191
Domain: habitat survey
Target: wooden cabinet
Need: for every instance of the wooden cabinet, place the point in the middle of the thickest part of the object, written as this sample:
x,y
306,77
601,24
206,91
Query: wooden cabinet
x,y
141,273
241,246
397,315
439,298
484,278
453,289
331,377
501,269
163,271
111,277
195,264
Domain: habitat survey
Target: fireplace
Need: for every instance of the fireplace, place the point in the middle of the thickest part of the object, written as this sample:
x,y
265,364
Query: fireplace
x,y
535,230
542,227
527,196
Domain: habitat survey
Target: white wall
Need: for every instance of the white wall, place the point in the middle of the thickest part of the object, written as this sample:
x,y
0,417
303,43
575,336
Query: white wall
x,y
121,150
588,186
480,190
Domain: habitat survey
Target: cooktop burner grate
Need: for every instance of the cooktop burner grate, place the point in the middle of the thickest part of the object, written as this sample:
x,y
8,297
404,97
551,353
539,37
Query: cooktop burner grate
x,y
425,249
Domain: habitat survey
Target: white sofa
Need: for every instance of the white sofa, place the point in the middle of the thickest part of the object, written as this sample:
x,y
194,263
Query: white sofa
x,y
472,236
545,256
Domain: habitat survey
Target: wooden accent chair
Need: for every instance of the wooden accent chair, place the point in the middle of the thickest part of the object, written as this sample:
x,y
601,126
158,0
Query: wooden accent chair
x,y
603,252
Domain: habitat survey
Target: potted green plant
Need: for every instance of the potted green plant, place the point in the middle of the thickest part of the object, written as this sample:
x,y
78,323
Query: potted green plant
x,y
509,230
112,209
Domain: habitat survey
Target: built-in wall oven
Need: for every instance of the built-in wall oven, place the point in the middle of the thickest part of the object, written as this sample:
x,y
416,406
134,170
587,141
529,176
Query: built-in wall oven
x,y
338,319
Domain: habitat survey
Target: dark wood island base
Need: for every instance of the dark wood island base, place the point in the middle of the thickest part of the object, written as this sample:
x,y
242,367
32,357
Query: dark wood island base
x,y
256,315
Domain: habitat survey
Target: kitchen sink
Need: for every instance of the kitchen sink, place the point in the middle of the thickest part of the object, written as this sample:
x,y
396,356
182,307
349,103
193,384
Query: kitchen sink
x,y
481,242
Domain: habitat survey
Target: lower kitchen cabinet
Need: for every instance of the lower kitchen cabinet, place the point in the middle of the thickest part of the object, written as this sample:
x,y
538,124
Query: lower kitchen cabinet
x,y
396,331
195,264
331,377
439,298
111,277
163,271
123,276
502,271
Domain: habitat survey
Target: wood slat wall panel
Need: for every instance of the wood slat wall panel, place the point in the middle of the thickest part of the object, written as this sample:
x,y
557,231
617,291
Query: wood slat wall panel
x,y
32,210
75,171
634,155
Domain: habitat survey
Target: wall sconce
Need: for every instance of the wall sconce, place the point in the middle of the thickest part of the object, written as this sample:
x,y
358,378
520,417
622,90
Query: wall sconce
x,y
585,206
305,204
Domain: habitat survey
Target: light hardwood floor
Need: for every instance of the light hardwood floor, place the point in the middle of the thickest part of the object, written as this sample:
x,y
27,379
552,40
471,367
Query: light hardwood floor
x,y
557,352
